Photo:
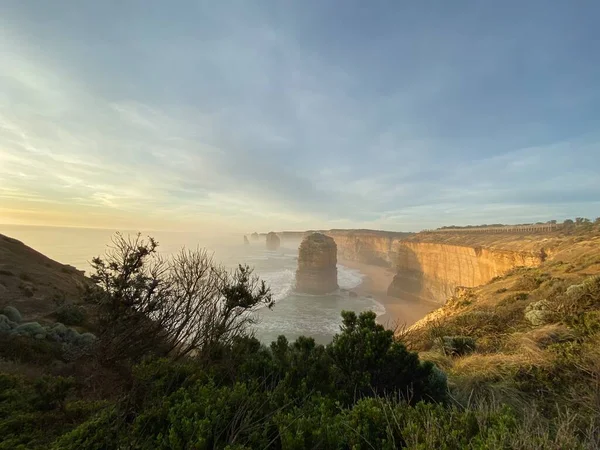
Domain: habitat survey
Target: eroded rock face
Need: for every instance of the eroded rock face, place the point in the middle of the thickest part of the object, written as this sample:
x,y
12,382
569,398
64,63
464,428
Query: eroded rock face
x,y
317,265
273,241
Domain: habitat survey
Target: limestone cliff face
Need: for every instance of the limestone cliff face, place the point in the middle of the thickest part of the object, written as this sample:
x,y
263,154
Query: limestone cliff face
x,y
272,241
433,270
317,265
370,247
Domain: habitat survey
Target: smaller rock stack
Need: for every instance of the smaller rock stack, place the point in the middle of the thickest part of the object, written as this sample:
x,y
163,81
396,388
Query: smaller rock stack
x,y
273,241
246,241
317,265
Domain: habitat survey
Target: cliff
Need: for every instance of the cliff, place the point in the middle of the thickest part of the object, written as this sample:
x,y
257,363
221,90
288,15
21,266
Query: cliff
x,y
433,271
431,266
317,265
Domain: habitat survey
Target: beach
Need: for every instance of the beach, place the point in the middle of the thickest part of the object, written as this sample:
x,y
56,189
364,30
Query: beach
x,y
399,312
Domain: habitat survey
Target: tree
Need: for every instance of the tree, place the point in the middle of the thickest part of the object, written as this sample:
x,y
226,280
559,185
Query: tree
x,y
371,362
177,306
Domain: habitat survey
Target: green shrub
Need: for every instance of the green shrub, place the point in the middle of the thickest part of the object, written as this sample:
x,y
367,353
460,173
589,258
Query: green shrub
x,y
25,349
70,314
540,313
51,392
458,345
6,325
98,433
12,313
30,329
587,323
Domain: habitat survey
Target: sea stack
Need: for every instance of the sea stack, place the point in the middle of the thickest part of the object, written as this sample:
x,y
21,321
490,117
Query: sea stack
x,y
246,241
254,236
317,265
272,241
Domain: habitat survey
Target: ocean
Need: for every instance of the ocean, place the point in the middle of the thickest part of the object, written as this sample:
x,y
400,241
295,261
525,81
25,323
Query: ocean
x,y
293,315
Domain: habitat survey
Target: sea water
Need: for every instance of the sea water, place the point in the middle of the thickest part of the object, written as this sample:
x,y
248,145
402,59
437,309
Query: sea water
x,y
293,315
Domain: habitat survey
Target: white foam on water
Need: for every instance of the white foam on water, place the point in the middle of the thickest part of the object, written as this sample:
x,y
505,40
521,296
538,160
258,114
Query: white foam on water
x,y
280,282
349,278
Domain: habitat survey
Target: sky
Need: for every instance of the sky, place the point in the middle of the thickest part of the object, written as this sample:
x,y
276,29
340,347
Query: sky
x,y
270,115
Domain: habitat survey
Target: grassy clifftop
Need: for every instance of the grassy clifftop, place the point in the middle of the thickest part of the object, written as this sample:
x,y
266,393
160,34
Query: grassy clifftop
x,y
531,336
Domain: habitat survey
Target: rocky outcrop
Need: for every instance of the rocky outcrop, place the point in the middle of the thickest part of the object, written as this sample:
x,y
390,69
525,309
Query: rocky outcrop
x,y
246,241
317,265
272,241
254,236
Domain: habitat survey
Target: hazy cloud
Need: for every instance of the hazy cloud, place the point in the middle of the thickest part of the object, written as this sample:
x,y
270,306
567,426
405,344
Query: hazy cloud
x,y
255,115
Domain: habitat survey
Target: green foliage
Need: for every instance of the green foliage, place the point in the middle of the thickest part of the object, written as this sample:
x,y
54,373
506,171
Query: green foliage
x,y
51,392
70,314
34,414
6,324
30,329
458,345
27,350
368,360
12,313
540,313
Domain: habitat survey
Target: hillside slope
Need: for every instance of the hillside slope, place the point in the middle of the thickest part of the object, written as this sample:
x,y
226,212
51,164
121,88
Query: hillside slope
x,y
30,281
530,335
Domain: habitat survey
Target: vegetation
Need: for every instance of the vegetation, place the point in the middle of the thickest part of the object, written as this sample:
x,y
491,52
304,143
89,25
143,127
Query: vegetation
x,y
165,359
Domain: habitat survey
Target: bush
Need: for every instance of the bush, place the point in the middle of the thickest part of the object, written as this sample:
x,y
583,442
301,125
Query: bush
x,y
458,345
30,329
12,313
6,325
51,392
70,314
540,313
25,349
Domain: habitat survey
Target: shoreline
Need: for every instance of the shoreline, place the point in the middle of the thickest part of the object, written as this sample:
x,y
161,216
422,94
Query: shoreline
x,y
399,312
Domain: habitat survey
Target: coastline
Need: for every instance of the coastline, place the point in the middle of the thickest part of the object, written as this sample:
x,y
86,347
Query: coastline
x,y
399,312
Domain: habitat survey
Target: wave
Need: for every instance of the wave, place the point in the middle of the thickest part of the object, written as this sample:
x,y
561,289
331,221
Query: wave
x,y
349,278
281,282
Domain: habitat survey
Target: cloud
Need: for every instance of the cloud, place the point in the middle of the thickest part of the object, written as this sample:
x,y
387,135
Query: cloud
x,y
250,117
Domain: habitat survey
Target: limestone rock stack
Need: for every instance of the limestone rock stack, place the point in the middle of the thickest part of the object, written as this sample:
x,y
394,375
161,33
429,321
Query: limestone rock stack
x,y
246,241
273,241
317,265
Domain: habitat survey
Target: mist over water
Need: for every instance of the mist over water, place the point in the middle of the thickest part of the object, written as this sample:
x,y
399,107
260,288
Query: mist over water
x,y
293,314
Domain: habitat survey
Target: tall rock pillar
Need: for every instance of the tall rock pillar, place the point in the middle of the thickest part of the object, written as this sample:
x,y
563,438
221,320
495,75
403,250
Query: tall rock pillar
x,y
317,265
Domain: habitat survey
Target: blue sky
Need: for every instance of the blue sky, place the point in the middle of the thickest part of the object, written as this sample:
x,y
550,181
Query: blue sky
x,y
243,115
